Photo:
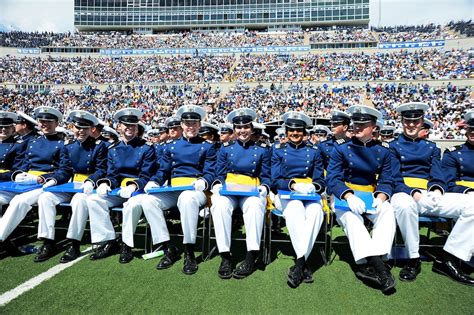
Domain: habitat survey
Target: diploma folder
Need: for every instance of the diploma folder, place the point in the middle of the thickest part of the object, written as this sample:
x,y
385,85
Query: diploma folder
x,y
17,188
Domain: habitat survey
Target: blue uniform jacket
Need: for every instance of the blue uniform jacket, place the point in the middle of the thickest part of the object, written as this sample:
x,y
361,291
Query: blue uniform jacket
x,y
250,158
47,154
184,157
296,161
361,164
12,152
89,157
134,159
458,165
417,158
326,148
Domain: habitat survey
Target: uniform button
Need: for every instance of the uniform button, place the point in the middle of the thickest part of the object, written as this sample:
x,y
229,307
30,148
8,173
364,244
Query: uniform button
x,y
253,170
253,162
350,155
351,163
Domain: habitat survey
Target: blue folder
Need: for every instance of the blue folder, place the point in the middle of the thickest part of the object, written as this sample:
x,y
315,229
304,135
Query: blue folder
x,y
115,192
66,188
17,188
163,189
364,195
239,190
293,195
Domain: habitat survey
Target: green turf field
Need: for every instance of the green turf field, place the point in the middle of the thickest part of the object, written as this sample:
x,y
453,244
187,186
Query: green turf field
x,y
109,287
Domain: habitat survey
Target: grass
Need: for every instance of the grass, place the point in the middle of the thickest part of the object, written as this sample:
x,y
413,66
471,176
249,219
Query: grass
x,y
108,287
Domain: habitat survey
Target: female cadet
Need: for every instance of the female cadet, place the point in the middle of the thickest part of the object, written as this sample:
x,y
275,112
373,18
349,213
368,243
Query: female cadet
x,y
240,162
297,166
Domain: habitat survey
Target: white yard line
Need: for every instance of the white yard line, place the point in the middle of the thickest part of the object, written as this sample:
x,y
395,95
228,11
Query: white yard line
x,y
8,296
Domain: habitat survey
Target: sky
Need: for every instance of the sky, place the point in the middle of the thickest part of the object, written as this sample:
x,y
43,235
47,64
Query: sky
x,y
57,15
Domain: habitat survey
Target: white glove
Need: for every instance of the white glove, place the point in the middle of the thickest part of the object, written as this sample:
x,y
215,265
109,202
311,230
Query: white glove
x,y
26,179
87,187
262,190
435,196
356,204
49,183
470,192
103,190
150,185
304,188
199,184
377,205
428,201
216,189
127,191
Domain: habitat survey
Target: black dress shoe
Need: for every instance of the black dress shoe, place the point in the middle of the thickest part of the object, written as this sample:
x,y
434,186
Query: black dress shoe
x,y
245,269
449,269
190,264
295,276
367,272
108,249
410,270
171,256
126,254
387,281
45,252
307,275
225,269
71,254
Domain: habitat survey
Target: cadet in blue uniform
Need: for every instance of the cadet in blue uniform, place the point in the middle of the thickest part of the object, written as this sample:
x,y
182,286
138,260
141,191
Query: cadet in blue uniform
x,y
318,134
12,152
240,162
339,126
209,132
25,127
225,132
387,133
130,163
363,164
45,163
189,160
420,187
174,127
88,158
297,166
110,135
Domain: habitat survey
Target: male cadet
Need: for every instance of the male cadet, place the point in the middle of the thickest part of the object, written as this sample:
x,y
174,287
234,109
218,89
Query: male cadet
x,y
318,134
25,127
243,162
420,189
225,132
163,137
153,136
163,130
174,127
88,158
96,131
189,160
363,164
12,152
425,129
130,163
45,163
257,131
387,133
339,125
110,135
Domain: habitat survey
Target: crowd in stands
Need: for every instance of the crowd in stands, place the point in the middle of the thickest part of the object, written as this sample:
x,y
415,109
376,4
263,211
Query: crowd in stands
x,y
236,39
447,103
358,66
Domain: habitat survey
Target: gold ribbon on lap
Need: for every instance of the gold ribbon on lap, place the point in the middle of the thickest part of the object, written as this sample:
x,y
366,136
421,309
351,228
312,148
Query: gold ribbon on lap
x,y
414,182
367,188
240,179
306,180
4,171
466,183
182,181
37,173
80,178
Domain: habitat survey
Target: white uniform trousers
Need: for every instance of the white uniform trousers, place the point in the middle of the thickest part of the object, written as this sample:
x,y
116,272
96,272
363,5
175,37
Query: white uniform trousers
x,y
153,206
189,202
253,209
102,229
460,242
5,198
47,203
303,220
361,242
17,210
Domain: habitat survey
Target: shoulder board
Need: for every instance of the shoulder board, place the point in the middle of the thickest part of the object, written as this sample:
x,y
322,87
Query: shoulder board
x,y
261,144
280,145
149,143
315,147
225,144
169,141
209,141
455,148
98,141
389,140
68,142
340,141
385,144
113,145
20,140
229,143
